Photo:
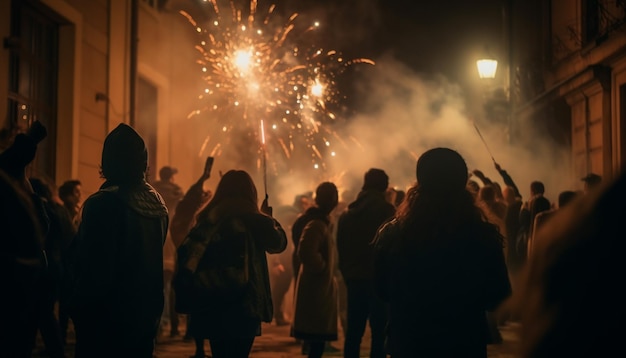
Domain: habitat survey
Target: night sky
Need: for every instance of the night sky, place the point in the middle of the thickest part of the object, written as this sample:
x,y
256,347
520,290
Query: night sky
x,y
431,36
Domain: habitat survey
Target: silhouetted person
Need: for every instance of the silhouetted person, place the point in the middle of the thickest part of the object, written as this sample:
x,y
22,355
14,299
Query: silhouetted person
x,y
22,266
70,194
118,298
232,323
565,197
536,204
591,181
356,229
440,265
183,219
59,228
171,194
572,301
315,315
24,260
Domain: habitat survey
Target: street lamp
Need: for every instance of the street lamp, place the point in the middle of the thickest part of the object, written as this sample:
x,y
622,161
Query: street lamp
x,y
487,68
498,104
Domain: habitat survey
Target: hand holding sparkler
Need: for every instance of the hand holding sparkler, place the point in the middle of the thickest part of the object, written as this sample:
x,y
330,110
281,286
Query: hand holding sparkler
x,y
265,206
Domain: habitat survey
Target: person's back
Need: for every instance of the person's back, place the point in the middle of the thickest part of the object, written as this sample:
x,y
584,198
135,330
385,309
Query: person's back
x,y
358,225
356,230
439,265
571,303
171,192
22,265
439,292
118,297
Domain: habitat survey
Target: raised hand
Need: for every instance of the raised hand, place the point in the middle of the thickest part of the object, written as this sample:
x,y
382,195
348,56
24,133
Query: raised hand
x,y
265,208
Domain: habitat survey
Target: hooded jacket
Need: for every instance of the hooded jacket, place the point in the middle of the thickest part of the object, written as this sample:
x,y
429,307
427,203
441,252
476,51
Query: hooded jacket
x,y
119,283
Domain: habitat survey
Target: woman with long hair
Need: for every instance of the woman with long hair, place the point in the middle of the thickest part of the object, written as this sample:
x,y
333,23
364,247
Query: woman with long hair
x,y
232,323
439,265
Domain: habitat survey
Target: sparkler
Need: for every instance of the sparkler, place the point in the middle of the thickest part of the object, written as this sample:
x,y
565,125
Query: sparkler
x,y
253,69
484,142
264,157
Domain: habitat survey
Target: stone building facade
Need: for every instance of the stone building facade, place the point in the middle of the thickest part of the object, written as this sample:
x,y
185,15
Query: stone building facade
x,y
570,76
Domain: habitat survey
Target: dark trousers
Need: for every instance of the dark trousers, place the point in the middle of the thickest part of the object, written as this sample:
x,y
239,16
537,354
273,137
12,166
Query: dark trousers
x,y
316,349
47,322
99,342
231,347
364,305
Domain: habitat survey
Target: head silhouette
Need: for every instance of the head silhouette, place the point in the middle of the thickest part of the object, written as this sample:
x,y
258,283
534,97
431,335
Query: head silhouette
x,y
441,170
124,156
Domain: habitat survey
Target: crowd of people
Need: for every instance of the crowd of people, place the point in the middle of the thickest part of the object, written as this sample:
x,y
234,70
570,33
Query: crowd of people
x,y
434,270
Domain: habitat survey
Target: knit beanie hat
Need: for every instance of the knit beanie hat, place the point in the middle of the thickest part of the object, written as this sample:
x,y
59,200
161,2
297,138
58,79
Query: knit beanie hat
x,y
441,169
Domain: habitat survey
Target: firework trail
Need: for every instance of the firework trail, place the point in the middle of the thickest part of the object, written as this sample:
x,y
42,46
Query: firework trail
x,y
255,70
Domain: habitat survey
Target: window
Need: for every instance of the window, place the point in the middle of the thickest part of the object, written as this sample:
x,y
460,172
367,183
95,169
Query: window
x,y
33,71
591,20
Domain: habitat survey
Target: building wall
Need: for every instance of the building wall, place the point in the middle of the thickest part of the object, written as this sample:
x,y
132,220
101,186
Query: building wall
x,y
167,59
94,92
589,73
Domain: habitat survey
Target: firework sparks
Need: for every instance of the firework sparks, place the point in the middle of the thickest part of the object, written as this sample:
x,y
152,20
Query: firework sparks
x,y
255,72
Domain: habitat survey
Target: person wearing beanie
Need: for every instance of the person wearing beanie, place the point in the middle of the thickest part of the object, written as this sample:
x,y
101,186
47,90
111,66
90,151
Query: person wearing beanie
x,y
118,296
439,265
356,229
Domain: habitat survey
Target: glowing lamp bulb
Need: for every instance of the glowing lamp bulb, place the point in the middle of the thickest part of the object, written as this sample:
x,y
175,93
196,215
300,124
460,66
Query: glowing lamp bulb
x,y
487,68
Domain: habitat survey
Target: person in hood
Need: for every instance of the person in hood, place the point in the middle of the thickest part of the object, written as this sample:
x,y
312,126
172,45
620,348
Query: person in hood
x,y
356,229
118,296
440,265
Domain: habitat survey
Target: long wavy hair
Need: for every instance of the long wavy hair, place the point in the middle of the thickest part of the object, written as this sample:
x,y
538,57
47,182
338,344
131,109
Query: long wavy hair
x,y
439,202
425,208
236,187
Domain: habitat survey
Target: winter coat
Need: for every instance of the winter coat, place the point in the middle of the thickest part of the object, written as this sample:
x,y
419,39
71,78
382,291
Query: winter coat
x,y
119,268
438,288
241,316
315,316
312,213
356,229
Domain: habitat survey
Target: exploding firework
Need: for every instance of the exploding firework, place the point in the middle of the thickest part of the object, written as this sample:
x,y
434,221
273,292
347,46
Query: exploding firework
x,y
256,71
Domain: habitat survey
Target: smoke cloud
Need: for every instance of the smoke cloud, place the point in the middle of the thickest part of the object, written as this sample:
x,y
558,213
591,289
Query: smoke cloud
x,y
401,115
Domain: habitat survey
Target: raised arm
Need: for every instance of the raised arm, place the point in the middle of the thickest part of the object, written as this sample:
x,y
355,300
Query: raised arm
x,y
508,181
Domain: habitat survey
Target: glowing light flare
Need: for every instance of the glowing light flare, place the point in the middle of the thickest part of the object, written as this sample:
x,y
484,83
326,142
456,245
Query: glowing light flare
x,y
487,68
317,89
262,132
243,60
